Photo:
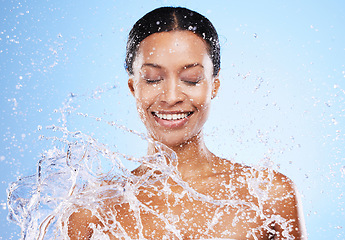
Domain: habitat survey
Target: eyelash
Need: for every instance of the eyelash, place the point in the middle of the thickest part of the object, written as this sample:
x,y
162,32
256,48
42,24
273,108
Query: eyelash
x,y
151,81
191,82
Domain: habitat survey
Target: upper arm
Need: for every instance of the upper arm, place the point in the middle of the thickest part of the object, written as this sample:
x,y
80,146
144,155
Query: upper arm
x,y
286,203
79,224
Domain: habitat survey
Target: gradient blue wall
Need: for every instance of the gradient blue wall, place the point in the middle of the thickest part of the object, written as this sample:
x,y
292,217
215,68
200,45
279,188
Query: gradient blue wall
x,y
282,93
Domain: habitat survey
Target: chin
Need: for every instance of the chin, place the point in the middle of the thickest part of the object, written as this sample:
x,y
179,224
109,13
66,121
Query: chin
x,y
174,140
172,143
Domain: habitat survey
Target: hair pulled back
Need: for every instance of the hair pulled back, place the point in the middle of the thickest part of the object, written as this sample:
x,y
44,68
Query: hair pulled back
x,y
167,19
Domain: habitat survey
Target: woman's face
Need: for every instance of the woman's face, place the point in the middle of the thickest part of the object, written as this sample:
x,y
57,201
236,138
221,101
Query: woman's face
x,y
173,84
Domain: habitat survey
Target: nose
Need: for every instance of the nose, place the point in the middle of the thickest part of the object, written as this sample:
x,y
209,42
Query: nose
x,y
172,92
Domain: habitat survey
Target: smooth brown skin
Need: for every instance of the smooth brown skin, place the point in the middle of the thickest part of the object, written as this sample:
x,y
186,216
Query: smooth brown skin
x,y
206,173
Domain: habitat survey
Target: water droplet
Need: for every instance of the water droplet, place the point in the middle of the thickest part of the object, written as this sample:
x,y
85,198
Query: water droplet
x,y
334,121
342,170
3,205
192,28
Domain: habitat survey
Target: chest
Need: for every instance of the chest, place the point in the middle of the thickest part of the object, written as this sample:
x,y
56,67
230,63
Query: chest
x,y
176,214
197,219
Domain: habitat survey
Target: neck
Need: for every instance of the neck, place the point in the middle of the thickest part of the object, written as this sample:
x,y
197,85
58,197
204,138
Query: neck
x,y
194,159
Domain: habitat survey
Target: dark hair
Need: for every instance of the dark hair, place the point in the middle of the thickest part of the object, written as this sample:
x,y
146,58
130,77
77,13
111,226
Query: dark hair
x,y
167,19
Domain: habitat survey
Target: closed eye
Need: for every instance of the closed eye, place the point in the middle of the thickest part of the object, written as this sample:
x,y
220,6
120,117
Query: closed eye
x,y
192,74
152,80
192,81
151,74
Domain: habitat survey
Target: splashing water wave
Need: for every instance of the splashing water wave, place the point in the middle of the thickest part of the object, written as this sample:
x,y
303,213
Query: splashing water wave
x,y
86,174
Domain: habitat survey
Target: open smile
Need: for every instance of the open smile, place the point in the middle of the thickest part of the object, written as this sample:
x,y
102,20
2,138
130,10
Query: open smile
x,y
172,116
171,119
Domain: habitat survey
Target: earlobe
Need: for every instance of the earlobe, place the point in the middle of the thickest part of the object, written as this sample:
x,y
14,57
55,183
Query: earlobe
x,y
131,85
216,85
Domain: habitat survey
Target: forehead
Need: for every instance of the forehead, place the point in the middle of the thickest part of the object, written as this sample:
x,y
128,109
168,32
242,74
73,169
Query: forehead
x,y
173,47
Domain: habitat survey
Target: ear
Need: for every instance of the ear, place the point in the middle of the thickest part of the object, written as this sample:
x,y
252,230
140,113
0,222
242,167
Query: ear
x,y
131,85
216,85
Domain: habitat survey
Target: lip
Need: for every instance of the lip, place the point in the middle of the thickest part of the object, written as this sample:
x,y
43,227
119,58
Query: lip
x,y
173,123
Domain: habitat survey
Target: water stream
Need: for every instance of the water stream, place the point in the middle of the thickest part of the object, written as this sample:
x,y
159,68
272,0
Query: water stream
x,y
80,172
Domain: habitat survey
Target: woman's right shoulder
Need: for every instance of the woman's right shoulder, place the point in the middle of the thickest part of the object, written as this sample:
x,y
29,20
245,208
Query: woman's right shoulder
x,y
80,224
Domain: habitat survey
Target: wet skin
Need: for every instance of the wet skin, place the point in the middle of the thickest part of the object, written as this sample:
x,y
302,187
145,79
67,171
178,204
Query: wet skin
x,y
173,73
173,84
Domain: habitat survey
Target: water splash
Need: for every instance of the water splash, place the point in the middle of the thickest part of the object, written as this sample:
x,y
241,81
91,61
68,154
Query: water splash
x,y
80,172
71,176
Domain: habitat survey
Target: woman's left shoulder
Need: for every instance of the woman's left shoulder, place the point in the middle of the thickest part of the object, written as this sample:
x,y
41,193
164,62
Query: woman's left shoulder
x,y
280,183
284,200
279,196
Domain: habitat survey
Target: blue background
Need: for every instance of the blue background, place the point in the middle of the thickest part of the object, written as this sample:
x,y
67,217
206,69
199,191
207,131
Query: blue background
x,y
281,98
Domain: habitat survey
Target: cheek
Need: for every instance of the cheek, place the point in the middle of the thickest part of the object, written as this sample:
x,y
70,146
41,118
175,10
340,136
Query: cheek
x,y
144,97
201,97
141,95
146,93
141,112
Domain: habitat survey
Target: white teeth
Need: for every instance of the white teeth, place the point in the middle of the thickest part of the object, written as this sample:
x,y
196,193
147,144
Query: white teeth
x,y
175,116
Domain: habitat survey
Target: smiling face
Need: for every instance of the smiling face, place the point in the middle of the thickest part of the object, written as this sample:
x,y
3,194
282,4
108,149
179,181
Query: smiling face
x,y
173,84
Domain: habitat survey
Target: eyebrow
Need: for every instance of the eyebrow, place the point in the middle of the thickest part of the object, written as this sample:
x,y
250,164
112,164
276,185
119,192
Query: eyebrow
x,y
151,65
193,65
154,65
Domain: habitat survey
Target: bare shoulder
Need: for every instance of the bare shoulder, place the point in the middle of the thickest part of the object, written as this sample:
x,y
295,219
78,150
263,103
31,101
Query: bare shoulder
x,y
279,195
284,201
275,182
79,224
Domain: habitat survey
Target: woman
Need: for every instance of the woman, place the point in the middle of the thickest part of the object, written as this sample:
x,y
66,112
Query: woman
x,y
173,63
